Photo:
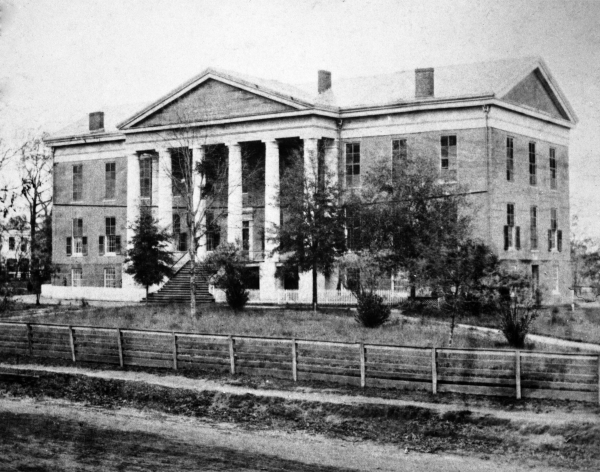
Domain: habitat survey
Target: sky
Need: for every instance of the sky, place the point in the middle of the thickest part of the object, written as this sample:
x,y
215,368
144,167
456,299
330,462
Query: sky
x,y
61,59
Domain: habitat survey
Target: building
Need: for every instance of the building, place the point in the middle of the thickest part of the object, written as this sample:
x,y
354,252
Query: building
x,y
14,248
500,127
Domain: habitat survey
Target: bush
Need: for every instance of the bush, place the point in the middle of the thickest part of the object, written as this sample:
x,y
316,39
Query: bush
x,y
515,321
371,311
236,293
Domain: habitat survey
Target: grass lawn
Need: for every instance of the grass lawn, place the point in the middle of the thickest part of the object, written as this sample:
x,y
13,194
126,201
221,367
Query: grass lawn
x,y
330,325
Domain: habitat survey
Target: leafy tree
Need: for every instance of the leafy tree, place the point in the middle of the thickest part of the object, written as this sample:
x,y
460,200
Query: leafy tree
x,y
229,272
149,259
41,252
312,235
516,314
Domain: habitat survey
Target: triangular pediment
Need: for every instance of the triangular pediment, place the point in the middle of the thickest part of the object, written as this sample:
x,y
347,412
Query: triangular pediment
x,y
211,100
535,92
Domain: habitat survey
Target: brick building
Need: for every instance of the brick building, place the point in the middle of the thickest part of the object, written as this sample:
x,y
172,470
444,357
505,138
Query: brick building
x,y
501,128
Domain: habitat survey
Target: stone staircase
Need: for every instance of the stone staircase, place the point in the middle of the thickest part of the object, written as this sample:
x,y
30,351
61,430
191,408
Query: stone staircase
x,y
177,288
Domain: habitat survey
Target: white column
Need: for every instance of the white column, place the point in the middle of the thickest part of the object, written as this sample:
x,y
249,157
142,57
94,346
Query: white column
x,y
332,160
268,282
311,160
199,202
234,200
165,190
133,206
272,211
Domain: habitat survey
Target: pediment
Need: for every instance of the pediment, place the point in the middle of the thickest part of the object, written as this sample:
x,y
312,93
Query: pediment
x,y
210,100
535,92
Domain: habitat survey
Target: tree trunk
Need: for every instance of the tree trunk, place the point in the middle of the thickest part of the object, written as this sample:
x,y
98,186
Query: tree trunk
x,y
32,248
147,290
314,287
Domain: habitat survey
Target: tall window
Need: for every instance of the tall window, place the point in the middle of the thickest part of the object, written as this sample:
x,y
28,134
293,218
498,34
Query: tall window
x,y
77,277
110,176
78,236
399,157
179,236
23,244
510,162
512,233
533,228
78,183
448,151
245,236
352,165
532,165
111,234
353,231
554,234
146,178
552,168
110,277
213,233
11,243
181,166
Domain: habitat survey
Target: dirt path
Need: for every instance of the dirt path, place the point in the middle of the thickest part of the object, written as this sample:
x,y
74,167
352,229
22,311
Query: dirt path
x,y
547,416
58,435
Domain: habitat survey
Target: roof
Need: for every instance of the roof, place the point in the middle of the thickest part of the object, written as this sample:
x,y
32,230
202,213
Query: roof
x,y
482,79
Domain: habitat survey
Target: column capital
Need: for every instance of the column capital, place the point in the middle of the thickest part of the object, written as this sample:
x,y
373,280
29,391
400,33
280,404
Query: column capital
x,y
270,141
232,144
310,138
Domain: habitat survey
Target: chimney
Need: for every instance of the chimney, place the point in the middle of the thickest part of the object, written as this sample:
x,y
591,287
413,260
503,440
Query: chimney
x,y
324,81
97,121
424,82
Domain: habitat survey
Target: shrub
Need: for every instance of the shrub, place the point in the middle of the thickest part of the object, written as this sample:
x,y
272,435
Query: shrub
x,y
371,310
236,293
227,270
515,320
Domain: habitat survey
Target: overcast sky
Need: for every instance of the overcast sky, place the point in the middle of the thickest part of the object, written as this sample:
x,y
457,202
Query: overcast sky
x,y
61,59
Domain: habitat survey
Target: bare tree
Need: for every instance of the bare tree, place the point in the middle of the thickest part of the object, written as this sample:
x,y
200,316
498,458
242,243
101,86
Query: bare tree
x,y
35,170
7,192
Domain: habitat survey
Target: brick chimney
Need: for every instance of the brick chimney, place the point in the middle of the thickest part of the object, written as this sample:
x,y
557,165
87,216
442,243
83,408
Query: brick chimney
x,y
424,82
97,121
324,81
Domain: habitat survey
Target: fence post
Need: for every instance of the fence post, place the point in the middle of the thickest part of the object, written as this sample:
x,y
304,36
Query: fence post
x,y
174,351
30,339
518,373
72,343
363,370
294,360
120,344
434,370
232,354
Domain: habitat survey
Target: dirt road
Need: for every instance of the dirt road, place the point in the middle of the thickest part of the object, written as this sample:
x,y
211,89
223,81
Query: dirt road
x,y
51,435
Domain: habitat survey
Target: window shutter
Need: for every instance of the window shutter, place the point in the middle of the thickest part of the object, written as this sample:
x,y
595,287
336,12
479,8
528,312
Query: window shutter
x,y
549,240
518,237
69,246
506,242
559,240
118,244
101,245
85,246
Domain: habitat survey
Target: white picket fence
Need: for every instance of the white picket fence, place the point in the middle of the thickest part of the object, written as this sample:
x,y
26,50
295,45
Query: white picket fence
x,y
325,297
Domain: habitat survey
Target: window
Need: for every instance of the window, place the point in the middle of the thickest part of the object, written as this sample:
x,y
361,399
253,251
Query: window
x,y
146,178
510,162
77,277
23,247
554,234
78,183
553,168
245,236
353,231
533,228
180,170
352,278
110,175
179,237
78,236
111,235
11,243
448,152
512,233
532,165
213,232
399,157
352,165
110,277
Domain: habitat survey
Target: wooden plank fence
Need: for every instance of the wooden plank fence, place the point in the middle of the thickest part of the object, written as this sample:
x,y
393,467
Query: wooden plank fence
x,y
514,373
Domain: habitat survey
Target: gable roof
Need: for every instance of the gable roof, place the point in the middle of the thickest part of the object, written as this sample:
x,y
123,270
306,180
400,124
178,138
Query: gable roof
x,y
491,79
